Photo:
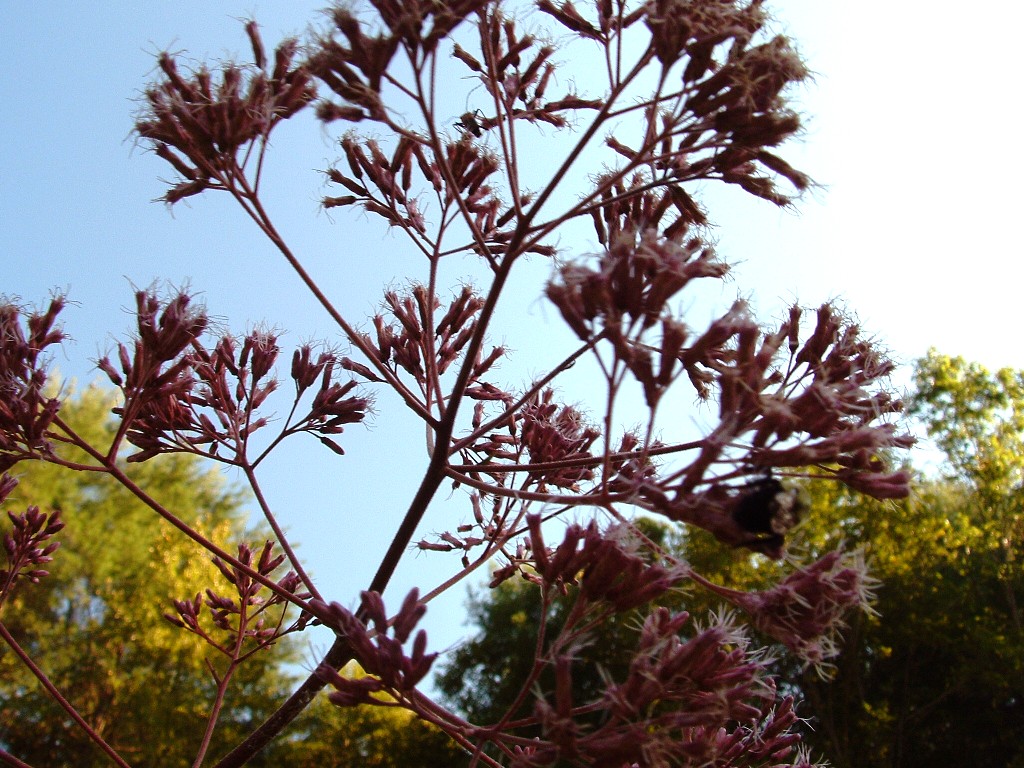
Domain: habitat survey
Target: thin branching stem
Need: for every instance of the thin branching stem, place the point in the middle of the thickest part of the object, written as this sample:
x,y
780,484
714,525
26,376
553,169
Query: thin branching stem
x,y
58,697
282,539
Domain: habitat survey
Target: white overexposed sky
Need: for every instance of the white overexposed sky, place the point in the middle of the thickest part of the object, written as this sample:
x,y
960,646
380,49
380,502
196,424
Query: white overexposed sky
x,y
912,119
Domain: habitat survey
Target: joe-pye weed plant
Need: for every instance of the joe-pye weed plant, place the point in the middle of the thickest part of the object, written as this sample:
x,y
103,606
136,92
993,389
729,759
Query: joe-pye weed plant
x,y
688,93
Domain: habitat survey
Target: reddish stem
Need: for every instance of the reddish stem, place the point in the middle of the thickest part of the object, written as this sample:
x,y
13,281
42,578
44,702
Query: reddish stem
x,y
57,696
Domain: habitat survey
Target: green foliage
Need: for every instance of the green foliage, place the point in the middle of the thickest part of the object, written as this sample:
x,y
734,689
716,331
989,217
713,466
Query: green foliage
x,y
975,417
940,671
95,625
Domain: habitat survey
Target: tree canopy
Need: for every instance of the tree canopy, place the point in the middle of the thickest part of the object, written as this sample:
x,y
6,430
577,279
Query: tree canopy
x,y
938,671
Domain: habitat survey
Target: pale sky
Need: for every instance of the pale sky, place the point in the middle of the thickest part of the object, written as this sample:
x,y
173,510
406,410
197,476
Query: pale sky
x,y
912,121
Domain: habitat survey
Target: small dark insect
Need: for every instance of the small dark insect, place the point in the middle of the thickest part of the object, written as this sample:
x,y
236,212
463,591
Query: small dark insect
x,y
470,123
767,509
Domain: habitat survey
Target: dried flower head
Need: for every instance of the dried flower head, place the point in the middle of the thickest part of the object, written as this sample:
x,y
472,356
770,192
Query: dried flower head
x,y
387,666
28,543
26,412
200,126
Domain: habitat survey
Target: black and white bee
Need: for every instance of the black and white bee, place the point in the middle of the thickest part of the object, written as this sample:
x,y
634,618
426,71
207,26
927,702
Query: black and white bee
x,y
767,510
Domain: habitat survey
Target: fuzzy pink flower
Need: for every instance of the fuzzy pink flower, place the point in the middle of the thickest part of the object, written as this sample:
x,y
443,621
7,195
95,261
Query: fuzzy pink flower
x,y
26,413
806,611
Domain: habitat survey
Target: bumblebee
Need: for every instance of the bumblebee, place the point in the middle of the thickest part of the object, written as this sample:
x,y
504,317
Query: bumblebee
x,y
768,510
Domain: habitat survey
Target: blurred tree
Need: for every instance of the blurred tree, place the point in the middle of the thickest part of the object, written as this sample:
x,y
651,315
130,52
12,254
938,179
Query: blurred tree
x,y
326,736
482,677
939,674
977,419
95,625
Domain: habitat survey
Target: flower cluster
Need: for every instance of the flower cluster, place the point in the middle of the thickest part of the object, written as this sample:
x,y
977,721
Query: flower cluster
x,y
807,610
155,378
558,441
182,396
333,406
460,178
423,342
26,411
631,284
729,111
199,126
628,293
702,700
354,69
518,80
608,566
25,545
381,655
733,91
553,433
782,404
245,618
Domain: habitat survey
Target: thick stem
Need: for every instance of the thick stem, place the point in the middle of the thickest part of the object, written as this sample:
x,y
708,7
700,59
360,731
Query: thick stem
x,y
336,657
340,652
8,759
